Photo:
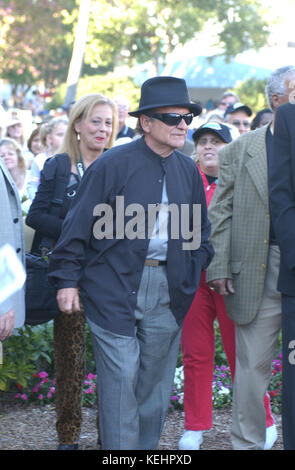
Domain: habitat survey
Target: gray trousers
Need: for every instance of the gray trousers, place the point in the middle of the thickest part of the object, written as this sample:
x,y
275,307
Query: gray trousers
x,y
135,375
255,349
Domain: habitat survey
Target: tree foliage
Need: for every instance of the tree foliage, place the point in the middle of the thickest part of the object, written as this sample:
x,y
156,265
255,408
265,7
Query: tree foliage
x,y
252,92
132,31
35,42
36,36
109,84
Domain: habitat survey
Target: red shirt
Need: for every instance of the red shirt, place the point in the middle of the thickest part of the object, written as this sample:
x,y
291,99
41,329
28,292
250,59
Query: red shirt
x,y
209,188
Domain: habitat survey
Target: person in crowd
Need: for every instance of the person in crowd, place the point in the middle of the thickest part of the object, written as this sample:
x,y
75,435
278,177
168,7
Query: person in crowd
x,y
34,147
198,342
14,130
245,267
215,115
3,121
123,107
51,137
282,206
228,98
262,118
198,337
136,284
238,114
91,129
12,310
12,156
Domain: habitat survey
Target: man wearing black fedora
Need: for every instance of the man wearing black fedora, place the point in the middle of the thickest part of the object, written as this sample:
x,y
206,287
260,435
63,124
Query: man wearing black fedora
x,y
131,245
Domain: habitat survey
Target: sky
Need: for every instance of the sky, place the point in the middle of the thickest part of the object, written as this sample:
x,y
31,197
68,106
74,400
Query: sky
x,y
282,11
282,32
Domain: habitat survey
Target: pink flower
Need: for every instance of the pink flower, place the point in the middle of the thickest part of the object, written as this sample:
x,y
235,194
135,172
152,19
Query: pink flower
x,y
90,376
40,397
43,375
174,398
35,389
24,397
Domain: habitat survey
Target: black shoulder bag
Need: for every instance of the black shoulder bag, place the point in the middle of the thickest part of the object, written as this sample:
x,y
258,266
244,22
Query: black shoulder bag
x,y
41,303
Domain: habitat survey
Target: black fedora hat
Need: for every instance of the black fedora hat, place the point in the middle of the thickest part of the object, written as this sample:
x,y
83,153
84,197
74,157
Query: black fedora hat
x,y
157,92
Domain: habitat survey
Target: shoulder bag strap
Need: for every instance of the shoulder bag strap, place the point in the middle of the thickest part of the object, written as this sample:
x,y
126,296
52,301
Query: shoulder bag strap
x,y
63,171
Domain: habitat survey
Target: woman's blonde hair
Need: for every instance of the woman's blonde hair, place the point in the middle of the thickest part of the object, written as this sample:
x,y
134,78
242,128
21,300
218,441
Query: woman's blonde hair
x,y
80,111
20,158
48,127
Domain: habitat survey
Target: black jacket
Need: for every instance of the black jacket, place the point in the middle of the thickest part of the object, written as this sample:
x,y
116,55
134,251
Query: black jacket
x,y
282,194
57,170
109,270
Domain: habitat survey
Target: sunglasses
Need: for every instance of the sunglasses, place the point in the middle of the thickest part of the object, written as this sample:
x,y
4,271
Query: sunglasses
x,y
173,119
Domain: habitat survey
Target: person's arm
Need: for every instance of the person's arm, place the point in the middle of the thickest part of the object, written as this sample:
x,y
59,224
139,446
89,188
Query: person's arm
x,y
33,180
68,300
6,324
38,218
68,254
281,188
220,216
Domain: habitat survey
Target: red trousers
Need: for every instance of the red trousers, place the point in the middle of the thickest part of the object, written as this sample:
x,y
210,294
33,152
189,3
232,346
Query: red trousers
x,y
198,351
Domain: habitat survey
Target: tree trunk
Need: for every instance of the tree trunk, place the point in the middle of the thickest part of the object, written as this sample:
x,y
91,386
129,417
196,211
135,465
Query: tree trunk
x,y
78,52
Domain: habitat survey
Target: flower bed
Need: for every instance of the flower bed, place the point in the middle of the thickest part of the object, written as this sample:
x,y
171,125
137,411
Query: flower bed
x,y
222,386
41,388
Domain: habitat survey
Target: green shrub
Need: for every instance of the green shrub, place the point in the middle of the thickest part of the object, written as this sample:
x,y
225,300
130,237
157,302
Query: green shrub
x,y
30,350
25,352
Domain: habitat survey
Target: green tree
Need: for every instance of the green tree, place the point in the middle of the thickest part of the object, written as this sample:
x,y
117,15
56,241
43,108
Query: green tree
x,y
34,41
129,31
252,92
109,84
37,36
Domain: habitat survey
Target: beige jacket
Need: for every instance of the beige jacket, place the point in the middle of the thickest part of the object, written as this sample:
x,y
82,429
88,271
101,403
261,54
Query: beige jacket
x,y
239,214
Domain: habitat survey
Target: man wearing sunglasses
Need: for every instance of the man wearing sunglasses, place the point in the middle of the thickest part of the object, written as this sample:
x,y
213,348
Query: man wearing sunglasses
x,y
137,287
238,114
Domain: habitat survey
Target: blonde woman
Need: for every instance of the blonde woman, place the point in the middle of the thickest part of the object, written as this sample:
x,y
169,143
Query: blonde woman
x,y
91,129
12,156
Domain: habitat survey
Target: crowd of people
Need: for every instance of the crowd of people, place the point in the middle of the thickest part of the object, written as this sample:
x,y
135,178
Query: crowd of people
x,y
144,287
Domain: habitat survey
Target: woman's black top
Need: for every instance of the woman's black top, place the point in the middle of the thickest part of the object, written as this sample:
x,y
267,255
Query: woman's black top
x,y
39,216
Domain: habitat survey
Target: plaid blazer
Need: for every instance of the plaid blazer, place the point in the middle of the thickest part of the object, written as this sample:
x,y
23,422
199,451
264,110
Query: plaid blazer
x,y
240,218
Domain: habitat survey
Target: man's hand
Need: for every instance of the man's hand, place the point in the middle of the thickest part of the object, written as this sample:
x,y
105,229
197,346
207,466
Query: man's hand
x,y
68,300
222,286
6,324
